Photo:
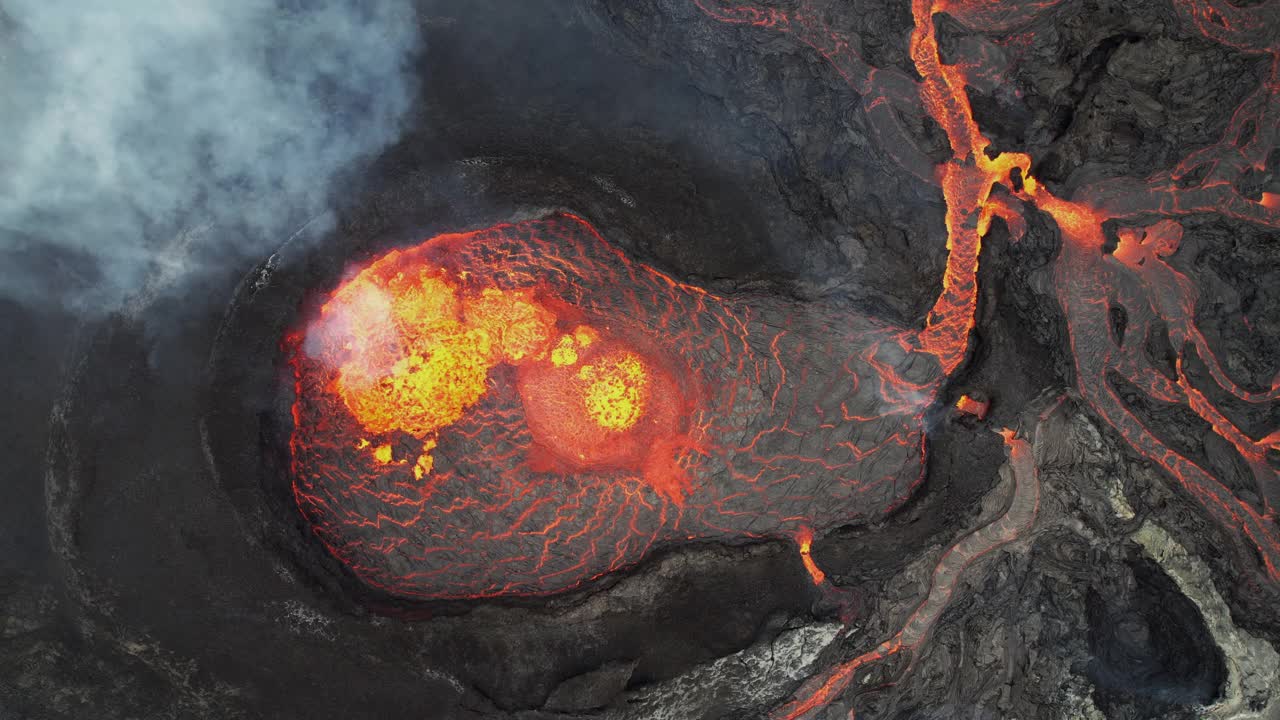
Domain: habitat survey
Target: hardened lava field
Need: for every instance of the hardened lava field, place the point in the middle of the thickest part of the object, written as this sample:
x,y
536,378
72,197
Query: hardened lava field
x,y
520,409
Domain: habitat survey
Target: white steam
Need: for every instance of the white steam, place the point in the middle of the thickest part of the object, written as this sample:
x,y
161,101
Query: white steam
x,y
127,123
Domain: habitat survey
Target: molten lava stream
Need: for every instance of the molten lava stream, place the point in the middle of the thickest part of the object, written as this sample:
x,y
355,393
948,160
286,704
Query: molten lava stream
x,y
521,409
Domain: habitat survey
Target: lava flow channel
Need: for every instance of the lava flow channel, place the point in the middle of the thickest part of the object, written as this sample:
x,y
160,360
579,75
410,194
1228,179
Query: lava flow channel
x,y
1092,284
1135,280
520,409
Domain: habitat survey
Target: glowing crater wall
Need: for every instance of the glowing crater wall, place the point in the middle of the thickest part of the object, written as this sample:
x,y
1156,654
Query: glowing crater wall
x,y
521,409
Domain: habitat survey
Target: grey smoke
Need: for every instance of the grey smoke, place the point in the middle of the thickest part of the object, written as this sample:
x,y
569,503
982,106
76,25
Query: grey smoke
x,y
143,137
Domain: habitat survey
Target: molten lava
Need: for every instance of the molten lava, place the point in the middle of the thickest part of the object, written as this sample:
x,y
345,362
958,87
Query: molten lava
x,y
971,406
414,352
521,409
805,540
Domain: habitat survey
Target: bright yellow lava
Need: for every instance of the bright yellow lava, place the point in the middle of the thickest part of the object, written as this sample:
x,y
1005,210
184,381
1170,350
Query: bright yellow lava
x,y
616,391
425,461
413,353
564,353
518,326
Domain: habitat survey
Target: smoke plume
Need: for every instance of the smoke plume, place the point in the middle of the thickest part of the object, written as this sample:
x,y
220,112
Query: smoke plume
x,y
147,138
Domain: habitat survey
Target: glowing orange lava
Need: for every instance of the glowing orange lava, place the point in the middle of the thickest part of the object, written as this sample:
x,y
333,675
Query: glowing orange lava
x,y
970,406
521,409
414,351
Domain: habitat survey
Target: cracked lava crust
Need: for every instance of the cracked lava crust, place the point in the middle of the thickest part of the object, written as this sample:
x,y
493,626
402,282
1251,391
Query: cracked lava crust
x,y
521,409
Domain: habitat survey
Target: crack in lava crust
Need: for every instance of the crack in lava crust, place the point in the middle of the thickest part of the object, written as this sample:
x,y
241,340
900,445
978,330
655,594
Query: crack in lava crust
x,y
518,410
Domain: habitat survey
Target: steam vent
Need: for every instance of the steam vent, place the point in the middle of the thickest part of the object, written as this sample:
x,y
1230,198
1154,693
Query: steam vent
x,y
641,360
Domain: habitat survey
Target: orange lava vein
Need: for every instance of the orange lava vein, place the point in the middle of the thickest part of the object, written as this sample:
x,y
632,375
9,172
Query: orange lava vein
x,y
805,540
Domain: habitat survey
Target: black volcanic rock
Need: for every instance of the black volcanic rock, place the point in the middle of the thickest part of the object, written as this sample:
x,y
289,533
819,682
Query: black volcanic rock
x,y
592,689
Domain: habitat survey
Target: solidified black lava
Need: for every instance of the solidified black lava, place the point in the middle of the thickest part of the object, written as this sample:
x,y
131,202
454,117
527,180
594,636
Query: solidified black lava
x,y
1151,650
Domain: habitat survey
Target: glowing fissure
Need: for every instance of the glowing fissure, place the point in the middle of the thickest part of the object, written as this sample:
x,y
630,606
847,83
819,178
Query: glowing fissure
x,y
520,409
1088,280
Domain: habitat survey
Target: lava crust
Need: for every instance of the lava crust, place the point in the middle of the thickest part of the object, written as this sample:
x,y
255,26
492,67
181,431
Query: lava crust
x,y
518,410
